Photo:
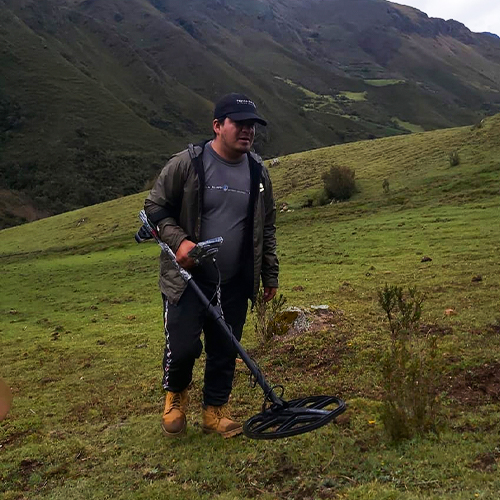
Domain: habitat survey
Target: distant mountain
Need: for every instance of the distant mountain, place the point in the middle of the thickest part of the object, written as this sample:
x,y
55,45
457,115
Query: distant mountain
x,y
96,94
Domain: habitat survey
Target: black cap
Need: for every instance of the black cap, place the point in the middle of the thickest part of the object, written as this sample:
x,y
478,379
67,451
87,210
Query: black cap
x,y
238,107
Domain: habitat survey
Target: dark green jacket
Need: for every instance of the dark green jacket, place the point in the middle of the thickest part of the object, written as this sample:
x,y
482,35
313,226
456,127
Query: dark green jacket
x,y
175,205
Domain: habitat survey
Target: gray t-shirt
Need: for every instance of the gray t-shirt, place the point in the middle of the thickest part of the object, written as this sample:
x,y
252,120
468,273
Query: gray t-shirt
x,y
225,210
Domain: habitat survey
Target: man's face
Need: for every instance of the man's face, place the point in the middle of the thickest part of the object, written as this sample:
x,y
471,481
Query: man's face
x,y
236,138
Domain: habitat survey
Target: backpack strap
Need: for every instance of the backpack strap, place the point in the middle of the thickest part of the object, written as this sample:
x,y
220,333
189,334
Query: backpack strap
x,y
197,164
192,152
197,160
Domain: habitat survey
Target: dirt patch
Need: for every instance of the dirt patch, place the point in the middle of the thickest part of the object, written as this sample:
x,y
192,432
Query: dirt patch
x,y
317,321
435,329
494,327
476,385
318,351
13,437
321,358
487,462
28,466
284,470
324,320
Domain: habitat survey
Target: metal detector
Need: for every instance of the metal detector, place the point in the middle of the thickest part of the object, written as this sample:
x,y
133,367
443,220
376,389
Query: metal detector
x,y
279,418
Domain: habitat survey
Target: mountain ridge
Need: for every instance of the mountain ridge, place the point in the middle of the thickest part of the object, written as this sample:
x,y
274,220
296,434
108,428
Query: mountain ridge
x,y
111,89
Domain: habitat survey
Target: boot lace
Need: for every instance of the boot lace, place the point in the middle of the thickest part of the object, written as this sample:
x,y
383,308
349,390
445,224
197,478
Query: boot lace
x,y
223,412
175,401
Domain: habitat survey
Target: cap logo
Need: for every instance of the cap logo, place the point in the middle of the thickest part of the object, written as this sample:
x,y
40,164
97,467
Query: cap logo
x,y
246,101
238,107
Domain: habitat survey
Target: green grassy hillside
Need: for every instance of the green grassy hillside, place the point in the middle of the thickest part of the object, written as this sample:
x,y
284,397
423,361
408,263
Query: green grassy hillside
x,y
81,340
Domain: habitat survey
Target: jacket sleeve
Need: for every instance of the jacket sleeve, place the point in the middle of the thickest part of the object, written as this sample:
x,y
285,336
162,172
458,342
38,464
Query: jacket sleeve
x,y
163,204
270,264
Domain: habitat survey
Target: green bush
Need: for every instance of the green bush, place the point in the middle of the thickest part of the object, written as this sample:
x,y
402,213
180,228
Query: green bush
x,y
410,367
320,198
339,183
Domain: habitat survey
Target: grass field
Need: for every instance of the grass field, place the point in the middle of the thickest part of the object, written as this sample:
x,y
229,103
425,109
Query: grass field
x,y
81,340
383,83
409,126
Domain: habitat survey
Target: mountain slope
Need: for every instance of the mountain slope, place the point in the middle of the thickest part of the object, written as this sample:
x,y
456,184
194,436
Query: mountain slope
x,y
95,94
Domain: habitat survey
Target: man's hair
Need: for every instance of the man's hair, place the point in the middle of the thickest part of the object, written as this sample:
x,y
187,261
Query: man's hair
x,y
221,121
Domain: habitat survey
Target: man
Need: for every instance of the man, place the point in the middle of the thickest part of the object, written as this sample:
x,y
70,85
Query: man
x,y
218,188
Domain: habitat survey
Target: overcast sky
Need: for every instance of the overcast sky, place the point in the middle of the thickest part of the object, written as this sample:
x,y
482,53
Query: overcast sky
x,y
477,15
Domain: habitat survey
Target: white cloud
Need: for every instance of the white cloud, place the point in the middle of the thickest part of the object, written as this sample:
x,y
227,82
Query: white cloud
x,y
477,15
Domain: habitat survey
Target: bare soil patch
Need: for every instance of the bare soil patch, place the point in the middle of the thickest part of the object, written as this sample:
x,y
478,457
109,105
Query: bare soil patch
x,y
476,385
487,462
318,350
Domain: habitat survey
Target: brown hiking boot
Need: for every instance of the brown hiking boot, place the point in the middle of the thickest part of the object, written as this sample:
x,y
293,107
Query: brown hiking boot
x,y
218,419
173,421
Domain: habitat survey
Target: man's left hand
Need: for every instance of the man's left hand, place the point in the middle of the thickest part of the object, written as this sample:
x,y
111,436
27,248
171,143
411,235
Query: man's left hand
x,y
269,293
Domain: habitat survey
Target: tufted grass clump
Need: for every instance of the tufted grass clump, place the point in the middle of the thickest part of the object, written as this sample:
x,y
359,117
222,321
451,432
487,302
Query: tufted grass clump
x,y
454,158
267,317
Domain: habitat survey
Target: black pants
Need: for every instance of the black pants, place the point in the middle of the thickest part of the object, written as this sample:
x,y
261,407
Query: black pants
x,y
184,323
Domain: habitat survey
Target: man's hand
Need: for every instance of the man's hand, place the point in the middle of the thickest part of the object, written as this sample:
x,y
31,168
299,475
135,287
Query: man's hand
x,y
181,255
269,293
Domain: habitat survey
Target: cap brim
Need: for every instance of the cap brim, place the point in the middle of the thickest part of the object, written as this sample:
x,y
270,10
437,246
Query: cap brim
x,y
239,117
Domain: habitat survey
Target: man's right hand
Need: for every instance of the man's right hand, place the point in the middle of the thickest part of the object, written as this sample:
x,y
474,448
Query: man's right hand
x,y
181,255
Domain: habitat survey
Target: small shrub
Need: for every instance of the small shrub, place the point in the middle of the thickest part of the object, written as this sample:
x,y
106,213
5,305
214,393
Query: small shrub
x,y
339,183
320,198
409,367
454,159
266,314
